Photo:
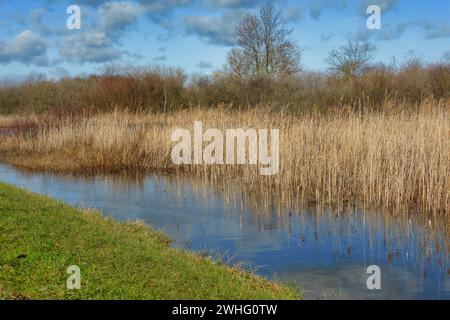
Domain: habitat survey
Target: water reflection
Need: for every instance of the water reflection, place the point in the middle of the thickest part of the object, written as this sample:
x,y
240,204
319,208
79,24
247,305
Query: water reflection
x,y
324,251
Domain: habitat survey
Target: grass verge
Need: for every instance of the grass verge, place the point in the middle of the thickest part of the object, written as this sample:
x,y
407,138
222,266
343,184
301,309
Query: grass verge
x,y
41,237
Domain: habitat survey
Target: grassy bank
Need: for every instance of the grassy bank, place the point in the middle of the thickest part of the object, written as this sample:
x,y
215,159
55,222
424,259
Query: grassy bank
x,y
40,238
398,159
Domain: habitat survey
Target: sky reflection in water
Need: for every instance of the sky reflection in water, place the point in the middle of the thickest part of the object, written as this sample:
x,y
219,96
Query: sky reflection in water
x,y
325,253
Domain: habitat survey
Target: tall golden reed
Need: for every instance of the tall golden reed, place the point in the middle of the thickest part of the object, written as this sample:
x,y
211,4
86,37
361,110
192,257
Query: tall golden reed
x,y
399,160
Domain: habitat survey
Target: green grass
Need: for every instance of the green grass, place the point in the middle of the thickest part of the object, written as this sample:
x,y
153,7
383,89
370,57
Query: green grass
x,y
41,237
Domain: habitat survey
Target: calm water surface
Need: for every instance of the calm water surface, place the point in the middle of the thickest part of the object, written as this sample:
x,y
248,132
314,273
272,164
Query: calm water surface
x,y
325,253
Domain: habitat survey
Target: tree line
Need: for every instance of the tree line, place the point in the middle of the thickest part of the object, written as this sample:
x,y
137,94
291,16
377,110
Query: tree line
x,y
265,50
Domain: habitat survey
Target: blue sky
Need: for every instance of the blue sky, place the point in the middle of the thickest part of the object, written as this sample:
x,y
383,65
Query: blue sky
x,y
196,35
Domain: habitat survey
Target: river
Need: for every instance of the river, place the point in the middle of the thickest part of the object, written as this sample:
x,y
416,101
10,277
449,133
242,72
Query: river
x,y
324,252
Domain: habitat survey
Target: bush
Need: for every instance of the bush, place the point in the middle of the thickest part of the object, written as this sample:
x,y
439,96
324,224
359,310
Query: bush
x,y
167,89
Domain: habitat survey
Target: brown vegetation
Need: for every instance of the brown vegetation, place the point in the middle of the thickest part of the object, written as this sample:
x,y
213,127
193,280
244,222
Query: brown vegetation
x,y
159,90
394,159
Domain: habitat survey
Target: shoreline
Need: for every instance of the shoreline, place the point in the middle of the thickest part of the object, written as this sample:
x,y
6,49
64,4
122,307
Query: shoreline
x,y
393,161
117,260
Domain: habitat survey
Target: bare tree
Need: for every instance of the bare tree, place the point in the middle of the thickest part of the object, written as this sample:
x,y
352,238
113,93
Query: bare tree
x,y
351,59
239,63
265,50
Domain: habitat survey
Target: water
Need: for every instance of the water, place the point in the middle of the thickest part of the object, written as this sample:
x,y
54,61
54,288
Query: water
x,y
325,253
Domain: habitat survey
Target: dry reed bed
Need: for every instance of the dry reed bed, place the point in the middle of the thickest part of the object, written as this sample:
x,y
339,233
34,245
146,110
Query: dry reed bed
x,y
398,160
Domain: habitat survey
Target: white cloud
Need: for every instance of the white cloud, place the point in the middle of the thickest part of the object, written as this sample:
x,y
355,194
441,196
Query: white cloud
x,y
98,44
117,16
385,5
316,7
90,47
27,47
218,30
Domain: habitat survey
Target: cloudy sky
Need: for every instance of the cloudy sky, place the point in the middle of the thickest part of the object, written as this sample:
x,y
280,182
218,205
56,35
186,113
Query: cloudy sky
x,y
196,34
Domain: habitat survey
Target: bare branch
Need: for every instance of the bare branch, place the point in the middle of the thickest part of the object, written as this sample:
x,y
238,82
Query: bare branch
x,y
351,59
265,50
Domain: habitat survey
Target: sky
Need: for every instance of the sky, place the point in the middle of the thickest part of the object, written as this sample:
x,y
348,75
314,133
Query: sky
x,y
196,35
